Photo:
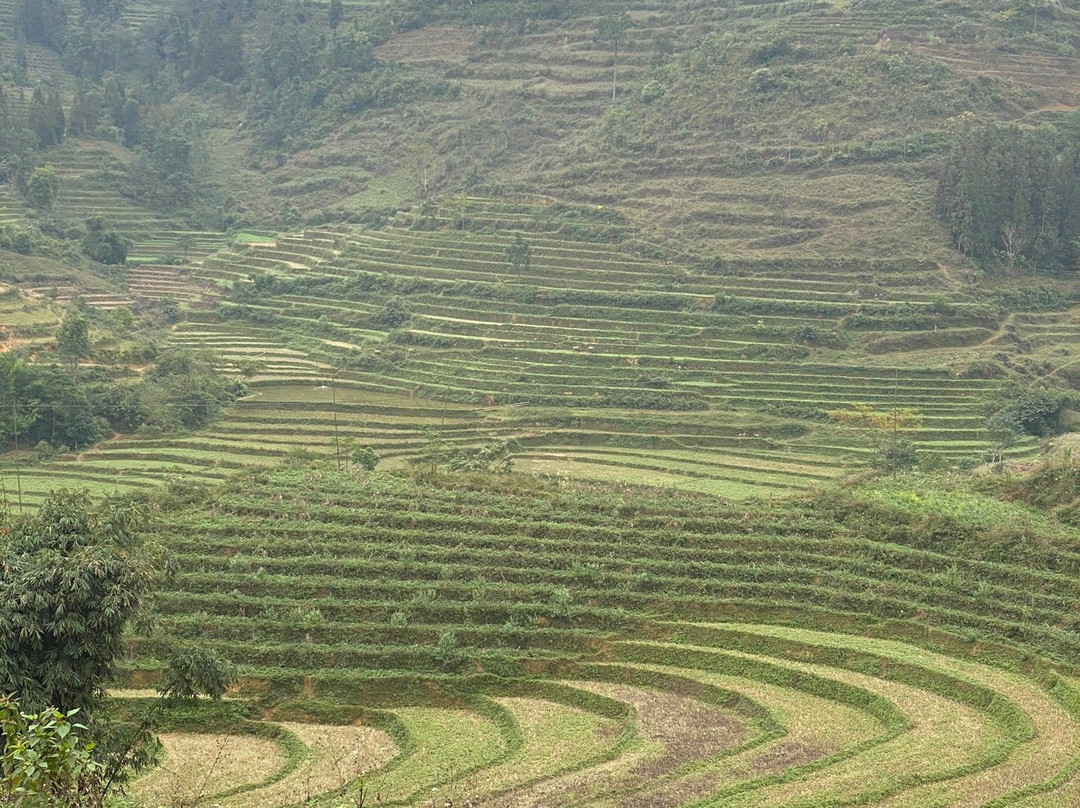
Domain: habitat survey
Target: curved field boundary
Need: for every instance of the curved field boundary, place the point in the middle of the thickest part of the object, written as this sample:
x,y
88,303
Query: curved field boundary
x,y
204,766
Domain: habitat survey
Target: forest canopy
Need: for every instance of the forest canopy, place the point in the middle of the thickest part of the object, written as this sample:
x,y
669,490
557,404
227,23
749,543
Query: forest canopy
x,y
1010,197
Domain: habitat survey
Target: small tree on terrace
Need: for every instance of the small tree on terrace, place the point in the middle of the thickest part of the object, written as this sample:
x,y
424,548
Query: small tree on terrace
x,y
42,187
365,457
611,30
73,338
886,427
519,254
71,578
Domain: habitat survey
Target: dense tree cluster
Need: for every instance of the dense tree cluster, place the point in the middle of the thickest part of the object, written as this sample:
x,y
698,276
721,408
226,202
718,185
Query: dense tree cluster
x,y
104,245
58,408
72,577
1010,197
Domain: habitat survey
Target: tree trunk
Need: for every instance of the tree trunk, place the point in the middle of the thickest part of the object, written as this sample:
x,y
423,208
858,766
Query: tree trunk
x,y
614,71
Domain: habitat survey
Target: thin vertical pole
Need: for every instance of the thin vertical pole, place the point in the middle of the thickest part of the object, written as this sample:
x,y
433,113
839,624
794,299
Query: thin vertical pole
x,y
333,395
15,432
615,70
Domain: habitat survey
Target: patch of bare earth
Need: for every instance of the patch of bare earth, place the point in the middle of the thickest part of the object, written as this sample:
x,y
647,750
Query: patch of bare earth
x,y
674,730
786,754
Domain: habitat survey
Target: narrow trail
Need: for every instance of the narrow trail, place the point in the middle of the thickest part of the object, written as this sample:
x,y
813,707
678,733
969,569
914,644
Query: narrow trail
x,y
1068,364
113,437
1055,107
1010,320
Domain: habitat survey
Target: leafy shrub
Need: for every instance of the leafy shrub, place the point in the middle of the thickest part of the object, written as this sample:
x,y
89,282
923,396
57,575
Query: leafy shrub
x,y
104,246
1034,410
392,315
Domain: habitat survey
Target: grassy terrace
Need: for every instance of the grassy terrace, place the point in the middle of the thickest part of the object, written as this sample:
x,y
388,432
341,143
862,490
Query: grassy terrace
x,y
705,282
520,641
589,362
753,335
13,210
94,177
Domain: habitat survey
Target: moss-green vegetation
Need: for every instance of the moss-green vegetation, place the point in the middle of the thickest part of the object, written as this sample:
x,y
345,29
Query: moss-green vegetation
x,y
665,245
935,624
421,340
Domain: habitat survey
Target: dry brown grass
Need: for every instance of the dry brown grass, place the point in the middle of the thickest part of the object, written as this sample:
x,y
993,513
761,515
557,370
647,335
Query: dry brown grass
x,y
199,766
1056,735
337,756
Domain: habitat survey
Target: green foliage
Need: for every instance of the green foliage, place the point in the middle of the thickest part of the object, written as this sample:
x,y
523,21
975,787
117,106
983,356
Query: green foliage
x,y
612,26
393,314
1033,410
73,338
103,245
1008,195
895,454
894,451
1052,486
519,255
1005,429
43,403
184,390
447,652
42,186
72,577
365,457
41,21
44,763
17,240
493,456
1032,298
335,14
120,321
196,672
172,156
45,117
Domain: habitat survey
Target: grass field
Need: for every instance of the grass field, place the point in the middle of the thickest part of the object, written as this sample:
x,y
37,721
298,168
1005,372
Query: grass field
x,y
651,282
591,362
529,642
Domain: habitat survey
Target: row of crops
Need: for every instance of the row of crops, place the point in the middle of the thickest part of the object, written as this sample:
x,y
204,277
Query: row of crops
x,y
522,641
422,339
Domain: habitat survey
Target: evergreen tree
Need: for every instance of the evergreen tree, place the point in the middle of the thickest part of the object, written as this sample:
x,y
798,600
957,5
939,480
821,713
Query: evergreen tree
x,y
41,21
1009,197
45,117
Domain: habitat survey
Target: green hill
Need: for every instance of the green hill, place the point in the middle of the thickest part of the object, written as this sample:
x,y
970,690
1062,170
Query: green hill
x,y
890,647
629,299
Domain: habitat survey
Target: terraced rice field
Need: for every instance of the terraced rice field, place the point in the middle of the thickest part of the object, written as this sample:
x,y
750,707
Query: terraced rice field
x,y
13,210
590,362
94,182
508,641
160,282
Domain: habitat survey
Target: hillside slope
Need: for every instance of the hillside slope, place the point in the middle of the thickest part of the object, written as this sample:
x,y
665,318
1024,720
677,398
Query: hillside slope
x,y
728,213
